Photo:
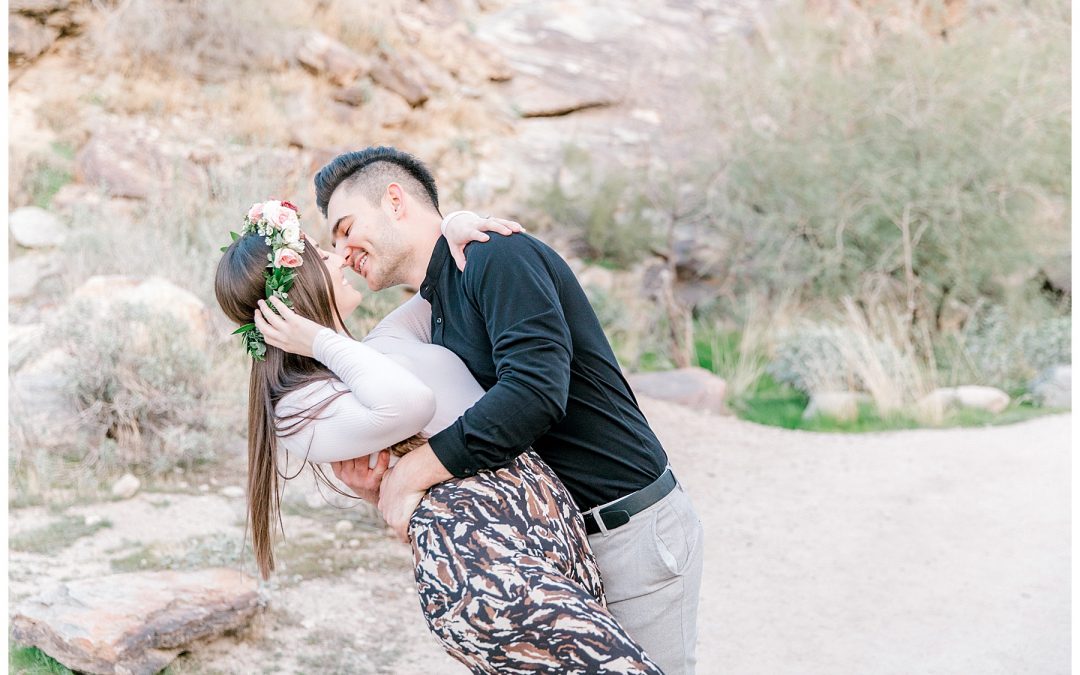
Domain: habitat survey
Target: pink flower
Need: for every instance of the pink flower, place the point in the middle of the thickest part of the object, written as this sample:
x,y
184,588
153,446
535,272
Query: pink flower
x,y
286,257
255,213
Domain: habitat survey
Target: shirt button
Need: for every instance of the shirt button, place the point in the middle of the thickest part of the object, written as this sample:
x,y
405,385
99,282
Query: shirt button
x,y
438,319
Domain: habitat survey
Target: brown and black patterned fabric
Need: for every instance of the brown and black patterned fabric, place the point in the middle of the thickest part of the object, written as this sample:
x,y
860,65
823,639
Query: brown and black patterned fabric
x,y
507,580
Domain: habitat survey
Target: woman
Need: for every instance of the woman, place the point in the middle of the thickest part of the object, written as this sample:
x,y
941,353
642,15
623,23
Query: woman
x,y
507,580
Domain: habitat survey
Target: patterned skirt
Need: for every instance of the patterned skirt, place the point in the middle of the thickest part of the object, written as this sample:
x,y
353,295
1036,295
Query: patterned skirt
x,y
507,580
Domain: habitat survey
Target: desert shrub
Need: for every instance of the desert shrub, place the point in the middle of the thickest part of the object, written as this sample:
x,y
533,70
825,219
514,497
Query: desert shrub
x,y
858,351
140,380
999,352
892,165
36,176
603,207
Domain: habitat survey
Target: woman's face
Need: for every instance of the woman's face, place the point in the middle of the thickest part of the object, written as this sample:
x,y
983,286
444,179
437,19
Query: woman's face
x,y
348,298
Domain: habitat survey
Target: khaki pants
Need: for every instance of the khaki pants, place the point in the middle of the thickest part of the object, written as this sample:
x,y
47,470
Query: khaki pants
x,y
651,568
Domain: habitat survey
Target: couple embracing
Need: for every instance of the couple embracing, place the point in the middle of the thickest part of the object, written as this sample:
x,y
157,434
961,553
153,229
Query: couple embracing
x,y
486,416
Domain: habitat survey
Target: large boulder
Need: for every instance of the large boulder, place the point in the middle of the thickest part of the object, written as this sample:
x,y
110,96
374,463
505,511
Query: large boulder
x,y
1053,387
34,227
973,397
692,387
26,272
133,162
134,623
402,77
157,294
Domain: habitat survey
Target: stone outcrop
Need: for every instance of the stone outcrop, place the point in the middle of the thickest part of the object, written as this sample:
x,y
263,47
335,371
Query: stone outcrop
x,y
26,272
134,162
157,294
323,55
28,38
134,623
695,388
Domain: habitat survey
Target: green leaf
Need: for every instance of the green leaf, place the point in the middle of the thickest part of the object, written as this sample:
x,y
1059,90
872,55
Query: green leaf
x,y
244,329
234,235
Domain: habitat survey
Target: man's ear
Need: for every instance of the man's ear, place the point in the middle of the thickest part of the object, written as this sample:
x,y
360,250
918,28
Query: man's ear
x,y
394,201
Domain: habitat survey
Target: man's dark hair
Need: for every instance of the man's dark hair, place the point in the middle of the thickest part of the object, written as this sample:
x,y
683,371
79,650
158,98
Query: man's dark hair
x,y
370,170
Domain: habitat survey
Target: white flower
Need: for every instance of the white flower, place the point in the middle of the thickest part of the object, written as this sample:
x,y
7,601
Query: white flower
x,y
290,231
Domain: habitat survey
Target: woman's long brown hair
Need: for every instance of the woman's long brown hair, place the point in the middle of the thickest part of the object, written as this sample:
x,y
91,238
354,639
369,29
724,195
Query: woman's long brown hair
x,y
239,284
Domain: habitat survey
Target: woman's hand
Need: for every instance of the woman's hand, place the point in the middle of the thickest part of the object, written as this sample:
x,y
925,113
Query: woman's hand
x,y
286,330
465,227
362,478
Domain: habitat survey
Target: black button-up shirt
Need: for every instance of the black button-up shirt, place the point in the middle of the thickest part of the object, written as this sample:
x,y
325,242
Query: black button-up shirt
x,y
522,324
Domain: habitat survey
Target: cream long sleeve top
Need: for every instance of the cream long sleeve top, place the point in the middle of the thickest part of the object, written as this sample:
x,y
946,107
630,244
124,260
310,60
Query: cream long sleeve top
x,y
398,384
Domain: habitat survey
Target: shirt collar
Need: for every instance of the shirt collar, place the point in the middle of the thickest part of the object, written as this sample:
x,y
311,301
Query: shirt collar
x,y
440,255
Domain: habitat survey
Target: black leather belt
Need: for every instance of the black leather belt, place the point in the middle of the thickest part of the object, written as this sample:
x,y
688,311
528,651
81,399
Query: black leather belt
x,y
619,513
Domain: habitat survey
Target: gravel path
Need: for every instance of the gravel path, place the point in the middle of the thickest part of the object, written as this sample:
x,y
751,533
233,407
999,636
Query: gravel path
x,y
941,551
931,551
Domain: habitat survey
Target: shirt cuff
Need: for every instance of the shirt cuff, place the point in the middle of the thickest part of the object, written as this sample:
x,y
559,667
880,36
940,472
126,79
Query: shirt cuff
x,y
449,446
448,218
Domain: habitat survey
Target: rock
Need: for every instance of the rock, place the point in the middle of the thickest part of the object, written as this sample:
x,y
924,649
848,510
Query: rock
x,y
34,227
41,400
692,387
233,491
92,520
355,95
134,623
393,76
28,39
37,7
160,295
989,399
1052,388
354,543
126,487
973,397
133,162
204,487
27,271
533,97
324,55
343,526
842,406
389,109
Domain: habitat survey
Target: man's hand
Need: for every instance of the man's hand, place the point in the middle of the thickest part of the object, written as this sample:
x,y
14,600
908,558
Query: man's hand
x,y
286,329
404,486
466,227
362,478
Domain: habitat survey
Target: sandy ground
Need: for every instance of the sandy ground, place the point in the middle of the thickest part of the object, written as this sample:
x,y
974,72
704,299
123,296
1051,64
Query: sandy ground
x,y
942,551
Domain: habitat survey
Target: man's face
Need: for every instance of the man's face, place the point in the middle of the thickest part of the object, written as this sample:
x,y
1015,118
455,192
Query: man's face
x,y
371,243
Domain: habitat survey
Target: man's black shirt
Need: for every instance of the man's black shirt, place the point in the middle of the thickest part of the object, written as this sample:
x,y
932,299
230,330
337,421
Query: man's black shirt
x,y
522,324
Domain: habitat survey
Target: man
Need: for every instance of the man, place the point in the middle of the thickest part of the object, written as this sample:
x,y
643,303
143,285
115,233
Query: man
x,y
522,324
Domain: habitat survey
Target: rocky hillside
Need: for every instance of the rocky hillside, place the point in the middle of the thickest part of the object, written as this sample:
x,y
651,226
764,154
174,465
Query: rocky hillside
x,y
487,92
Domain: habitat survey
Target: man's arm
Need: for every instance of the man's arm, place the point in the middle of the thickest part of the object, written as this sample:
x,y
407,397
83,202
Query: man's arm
x,y
510,285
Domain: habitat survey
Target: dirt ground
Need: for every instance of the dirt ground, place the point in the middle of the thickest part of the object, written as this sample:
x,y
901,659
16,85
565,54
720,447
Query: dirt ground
x,y
933,551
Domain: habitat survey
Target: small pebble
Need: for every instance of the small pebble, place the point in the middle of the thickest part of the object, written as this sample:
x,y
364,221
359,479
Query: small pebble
x,y
354,543
233,491
343,526
204,488
92,520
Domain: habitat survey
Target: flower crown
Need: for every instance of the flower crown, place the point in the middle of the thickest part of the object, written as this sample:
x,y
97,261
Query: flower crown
x,y
279,223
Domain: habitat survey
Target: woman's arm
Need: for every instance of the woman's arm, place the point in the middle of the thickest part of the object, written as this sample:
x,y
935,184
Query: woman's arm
x,y
461,228
385,404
